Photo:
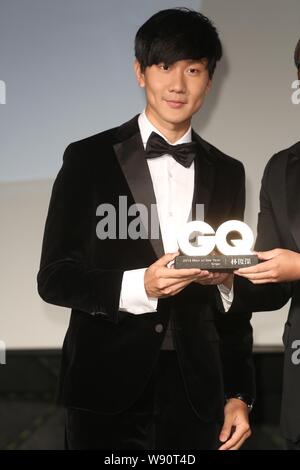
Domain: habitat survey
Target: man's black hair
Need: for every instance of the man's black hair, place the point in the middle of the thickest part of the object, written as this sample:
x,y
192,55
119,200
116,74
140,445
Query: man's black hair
x,y
177,34
297,55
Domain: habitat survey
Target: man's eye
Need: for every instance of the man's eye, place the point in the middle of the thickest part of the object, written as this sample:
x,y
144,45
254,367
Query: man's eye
x,y
164,66
193,71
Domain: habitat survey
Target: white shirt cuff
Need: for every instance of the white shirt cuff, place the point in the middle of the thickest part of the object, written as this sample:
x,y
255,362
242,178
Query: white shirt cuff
x,y
133,298
226,296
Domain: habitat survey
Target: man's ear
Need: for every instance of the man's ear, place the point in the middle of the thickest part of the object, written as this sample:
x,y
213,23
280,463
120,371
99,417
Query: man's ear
x,y
208,86
140,76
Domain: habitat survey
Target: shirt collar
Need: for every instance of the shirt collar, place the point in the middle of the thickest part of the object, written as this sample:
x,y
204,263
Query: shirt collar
x,y
146,127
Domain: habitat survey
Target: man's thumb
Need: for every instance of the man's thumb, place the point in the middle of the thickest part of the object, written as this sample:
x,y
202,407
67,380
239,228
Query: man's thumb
x,y
225,432
266,255
165,259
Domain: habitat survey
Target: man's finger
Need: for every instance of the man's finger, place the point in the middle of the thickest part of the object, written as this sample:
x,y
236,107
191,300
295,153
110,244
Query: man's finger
x,y
176,287
257,276
254,276
258,268
205,275
169,282
179,287
266,255
238,435
230,445
266,280
213,279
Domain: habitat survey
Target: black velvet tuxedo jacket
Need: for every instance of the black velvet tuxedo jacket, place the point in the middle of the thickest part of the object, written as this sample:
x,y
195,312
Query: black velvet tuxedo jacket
x,y
279,227
108,355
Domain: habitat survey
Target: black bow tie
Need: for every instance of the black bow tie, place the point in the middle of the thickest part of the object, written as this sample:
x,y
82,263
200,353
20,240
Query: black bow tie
x,y
182,153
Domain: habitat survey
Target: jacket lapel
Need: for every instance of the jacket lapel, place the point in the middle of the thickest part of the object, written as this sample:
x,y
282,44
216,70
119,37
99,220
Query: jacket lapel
x,y
204,178
131,156
293,192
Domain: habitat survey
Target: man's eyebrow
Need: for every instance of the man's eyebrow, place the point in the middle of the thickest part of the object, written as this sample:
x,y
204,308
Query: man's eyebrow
x,y
197,61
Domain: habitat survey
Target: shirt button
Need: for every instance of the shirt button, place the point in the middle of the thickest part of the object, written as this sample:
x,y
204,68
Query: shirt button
x,y
159,328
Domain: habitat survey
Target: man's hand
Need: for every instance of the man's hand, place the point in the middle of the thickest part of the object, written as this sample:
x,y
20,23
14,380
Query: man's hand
x,y
215,279
161,281
279,265
236,427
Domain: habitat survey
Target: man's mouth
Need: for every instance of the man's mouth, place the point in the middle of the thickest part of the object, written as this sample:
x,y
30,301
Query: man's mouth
x,y
175,104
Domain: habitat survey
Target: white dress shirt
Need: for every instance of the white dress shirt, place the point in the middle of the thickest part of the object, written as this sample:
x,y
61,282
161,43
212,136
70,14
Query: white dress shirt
x,y
173,187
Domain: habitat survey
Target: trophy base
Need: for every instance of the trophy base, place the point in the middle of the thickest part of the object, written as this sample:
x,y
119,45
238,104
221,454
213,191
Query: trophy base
x,y
218,263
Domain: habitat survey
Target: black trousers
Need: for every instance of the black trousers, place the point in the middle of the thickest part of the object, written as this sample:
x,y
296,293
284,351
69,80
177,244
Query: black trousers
x,y
162,418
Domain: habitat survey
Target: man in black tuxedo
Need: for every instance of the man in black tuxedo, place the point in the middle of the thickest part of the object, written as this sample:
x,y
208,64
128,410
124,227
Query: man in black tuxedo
x,y
147,361
278,232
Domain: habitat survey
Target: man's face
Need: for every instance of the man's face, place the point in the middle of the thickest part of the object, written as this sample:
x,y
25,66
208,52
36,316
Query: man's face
x,y
174,92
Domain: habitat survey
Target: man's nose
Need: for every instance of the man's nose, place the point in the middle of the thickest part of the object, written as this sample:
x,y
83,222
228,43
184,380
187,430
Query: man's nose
x,y
177,82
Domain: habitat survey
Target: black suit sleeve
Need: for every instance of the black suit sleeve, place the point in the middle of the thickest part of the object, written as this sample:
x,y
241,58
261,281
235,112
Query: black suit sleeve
x,y
236,342
267,233
66,277
265,297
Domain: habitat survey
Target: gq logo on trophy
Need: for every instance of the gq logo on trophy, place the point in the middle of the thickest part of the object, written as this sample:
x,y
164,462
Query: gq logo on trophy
x,y
233,255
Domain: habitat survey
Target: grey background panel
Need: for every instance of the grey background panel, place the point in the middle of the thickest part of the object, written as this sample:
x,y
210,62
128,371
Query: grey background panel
x,y
68,67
